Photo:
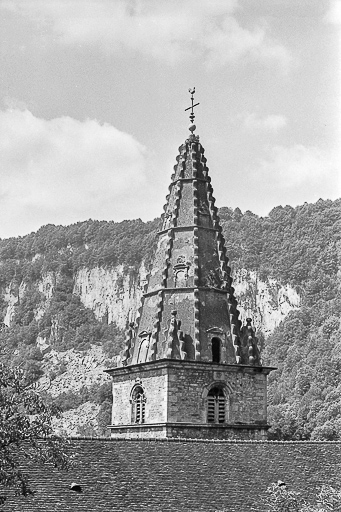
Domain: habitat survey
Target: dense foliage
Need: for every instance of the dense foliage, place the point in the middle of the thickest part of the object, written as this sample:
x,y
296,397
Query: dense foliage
x,y
300,246
305,391
68,248
291,244
25,419
281,499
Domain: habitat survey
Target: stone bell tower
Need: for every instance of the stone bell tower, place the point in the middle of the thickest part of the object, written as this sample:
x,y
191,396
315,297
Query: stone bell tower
x,y
189,368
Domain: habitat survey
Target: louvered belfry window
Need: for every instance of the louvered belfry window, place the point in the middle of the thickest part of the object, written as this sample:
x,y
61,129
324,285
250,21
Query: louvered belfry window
x,y
138,405
216,406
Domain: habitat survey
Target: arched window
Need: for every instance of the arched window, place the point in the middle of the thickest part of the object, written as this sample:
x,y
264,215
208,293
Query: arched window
x,y
138,405
216,405
216,346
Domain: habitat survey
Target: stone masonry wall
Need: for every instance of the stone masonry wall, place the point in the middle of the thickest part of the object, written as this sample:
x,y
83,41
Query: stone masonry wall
x,y
177,393
188,389
155,388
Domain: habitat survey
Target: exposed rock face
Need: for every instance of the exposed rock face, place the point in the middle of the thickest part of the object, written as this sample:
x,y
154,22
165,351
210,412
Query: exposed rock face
x,y
112,293
47,284
267,302
42,344
71,370
115,293
12,296
72,421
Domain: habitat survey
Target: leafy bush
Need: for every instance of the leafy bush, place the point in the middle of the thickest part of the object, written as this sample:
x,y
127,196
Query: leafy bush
x,y
25,420
280,499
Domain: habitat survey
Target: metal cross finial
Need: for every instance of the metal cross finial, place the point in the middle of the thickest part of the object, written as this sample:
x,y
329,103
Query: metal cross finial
x,y
192,116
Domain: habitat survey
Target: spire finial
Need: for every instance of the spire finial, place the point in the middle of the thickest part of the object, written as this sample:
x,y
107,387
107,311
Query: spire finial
x,y
192,116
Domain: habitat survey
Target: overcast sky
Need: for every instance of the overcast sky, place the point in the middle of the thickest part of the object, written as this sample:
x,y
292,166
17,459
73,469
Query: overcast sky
x,y
93,92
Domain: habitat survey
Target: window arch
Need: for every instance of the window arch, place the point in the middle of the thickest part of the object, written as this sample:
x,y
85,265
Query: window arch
x,y
216,405
138,402
216,350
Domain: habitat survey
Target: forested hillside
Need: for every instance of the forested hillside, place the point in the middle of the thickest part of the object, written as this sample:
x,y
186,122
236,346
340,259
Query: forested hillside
x,y
298,246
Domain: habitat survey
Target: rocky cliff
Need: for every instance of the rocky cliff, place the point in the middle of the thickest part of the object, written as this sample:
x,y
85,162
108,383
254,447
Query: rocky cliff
x,y
266,302
114,295
67,293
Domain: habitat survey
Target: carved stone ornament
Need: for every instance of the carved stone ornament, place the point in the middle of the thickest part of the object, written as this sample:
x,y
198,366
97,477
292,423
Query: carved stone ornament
x,y
213,279
215,330
143,348
167,219
180,271
181,260
193,138
144,334
203,208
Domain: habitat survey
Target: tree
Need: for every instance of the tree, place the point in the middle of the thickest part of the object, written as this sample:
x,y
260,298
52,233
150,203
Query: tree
x,y
25,432
281,499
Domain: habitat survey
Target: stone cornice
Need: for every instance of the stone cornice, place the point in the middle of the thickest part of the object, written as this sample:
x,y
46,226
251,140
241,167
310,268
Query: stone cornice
x,y
180,364
188,180
184,425
187,289
185,228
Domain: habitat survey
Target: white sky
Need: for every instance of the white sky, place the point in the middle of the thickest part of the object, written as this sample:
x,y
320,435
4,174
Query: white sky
x,y
93,92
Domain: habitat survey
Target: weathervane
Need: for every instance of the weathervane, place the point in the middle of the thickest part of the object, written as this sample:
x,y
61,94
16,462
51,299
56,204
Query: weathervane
x,y
192,116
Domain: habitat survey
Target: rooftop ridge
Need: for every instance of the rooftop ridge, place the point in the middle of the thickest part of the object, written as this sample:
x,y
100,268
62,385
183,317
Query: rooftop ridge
x,y
209,441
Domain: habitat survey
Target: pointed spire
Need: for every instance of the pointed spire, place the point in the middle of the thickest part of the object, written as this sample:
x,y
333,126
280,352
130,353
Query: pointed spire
x,y
190,277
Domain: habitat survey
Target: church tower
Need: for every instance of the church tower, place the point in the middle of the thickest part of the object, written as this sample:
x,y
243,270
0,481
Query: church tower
x,y
189,368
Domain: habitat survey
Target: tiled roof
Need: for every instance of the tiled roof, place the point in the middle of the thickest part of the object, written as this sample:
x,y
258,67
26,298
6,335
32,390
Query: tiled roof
x,y
178,476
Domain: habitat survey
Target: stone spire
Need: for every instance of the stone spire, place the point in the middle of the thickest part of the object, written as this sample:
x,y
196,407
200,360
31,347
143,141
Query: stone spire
x,y
189,368
189,283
